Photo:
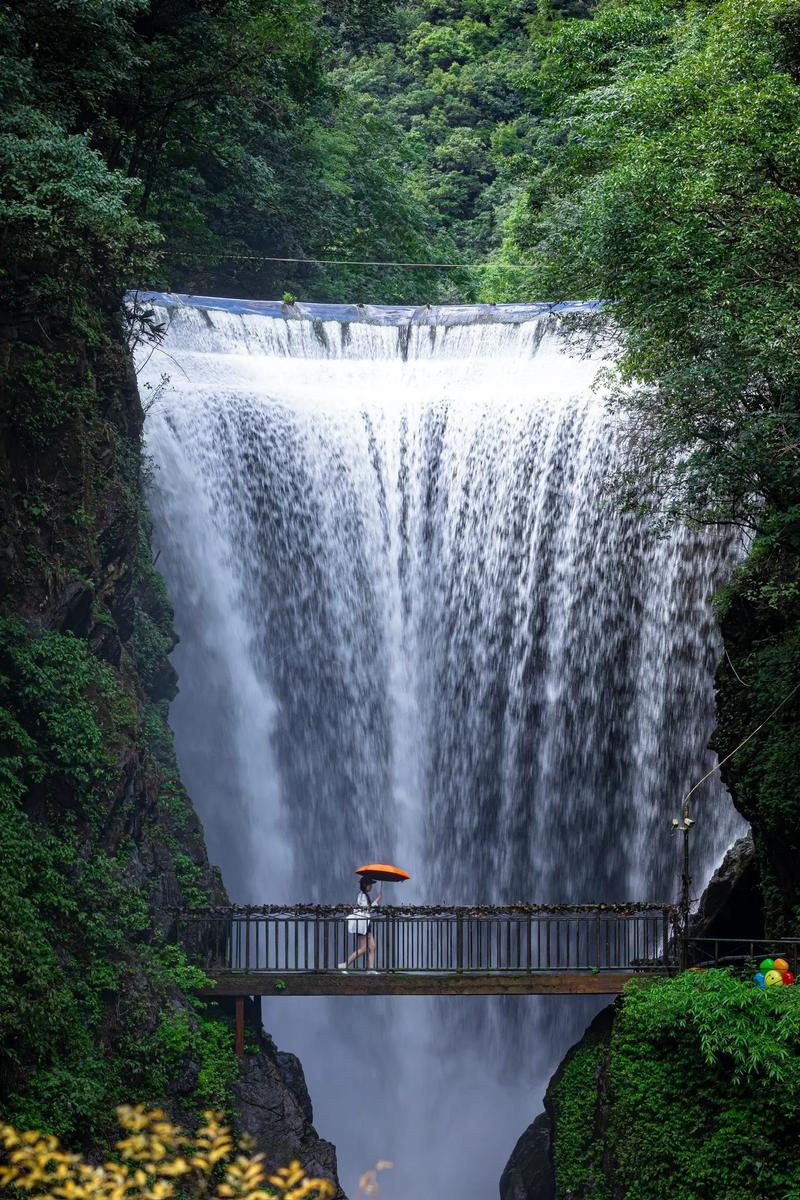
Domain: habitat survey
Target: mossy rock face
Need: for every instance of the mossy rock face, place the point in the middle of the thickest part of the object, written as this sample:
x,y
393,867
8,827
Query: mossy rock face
x,y
98,840
577,1102
760,620
692,1091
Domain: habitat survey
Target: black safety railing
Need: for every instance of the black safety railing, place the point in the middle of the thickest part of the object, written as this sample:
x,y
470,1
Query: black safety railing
x,y
519,938
743,955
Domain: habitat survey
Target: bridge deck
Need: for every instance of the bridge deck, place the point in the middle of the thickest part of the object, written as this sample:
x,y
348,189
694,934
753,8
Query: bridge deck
x,y
423,983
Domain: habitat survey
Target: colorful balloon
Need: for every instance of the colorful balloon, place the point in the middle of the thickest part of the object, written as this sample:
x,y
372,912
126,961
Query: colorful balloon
x,y
773,979
766,965
780,964
788,978
759,979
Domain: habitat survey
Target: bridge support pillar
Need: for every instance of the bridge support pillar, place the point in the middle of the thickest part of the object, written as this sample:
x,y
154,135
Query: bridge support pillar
x,y
240,1026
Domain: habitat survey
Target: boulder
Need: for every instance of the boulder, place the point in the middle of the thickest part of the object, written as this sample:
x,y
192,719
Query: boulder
x,y
731,905
529,1170
276,1115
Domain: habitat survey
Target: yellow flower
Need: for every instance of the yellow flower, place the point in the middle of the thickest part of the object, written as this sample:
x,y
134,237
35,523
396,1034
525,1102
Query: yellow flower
x,y
36,1164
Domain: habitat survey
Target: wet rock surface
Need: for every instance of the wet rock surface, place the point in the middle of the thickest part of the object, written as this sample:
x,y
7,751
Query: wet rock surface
x,y
529,1172
731,905
273,1106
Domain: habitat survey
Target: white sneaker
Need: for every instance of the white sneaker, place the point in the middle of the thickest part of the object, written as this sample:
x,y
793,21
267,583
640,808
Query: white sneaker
x,y
342,967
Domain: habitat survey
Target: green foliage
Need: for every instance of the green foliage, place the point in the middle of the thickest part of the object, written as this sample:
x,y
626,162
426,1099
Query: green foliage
x,y
667,180
705,1078
451,78
664,176
77,941
53,698
190,880
209,1044
193,139
577,1151
697,1095
152,642
750,1033
760,615
219,1066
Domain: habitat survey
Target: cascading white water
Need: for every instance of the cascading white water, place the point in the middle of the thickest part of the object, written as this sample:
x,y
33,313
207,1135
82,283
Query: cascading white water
x,y
414,627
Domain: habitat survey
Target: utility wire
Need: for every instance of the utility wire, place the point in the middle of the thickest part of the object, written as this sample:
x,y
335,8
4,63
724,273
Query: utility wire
x,y
722,762
357,262
733,668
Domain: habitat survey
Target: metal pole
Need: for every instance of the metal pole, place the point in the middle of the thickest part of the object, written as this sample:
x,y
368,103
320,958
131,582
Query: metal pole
x,y
686,886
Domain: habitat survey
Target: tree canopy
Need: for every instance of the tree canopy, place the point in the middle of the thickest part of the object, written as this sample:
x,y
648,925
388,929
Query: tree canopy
x,y
666,179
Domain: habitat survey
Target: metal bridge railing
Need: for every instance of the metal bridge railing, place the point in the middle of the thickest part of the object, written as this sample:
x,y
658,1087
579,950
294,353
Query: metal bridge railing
x,y
742,954
453,941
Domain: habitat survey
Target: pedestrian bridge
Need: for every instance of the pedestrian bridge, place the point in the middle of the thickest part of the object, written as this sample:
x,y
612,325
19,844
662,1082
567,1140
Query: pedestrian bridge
x,y
428,951
516,949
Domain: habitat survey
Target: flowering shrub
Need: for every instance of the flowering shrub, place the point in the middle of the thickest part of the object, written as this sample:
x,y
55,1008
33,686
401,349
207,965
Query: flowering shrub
x,y
156,1161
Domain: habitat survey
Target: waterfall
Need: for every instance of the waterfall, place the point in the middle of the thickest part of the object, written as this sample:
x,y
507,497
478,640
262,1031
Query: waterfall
x,y
415,627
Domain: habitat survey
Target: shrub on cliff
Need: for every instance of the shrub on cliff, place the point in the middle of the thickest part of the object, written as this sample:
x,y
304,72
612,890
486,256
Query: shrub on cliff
x,y
705,1078
697,1094
85,979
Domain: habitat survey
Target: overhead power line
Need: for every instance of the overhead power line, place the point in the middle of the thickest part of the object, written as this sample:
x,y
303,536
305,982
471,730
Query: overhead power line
x,y
358,262
743,742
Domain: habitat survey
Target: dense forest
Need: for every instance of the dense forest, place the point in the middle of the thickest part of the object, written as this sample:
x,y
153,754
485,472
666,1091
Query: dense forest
x,y
640,151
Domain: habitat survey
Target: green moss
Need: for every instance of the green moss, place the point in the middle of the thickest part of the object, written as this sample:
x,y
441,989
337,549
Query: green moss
x,y
190,880
577,1152
84,976
151,646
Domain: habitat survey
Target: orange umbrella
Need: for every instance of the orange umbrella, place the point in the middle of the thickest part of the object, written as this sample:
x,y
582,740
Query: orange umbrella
x,y
383,871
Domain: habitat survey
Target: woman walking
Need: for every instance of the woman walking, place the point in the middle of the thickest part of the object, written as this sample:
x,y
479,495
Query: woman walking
x,y
365,943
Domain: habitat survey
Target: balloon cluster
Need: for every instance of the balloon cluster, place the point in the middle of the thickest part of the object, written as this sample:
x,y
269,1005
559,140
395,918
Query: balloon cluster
x,y
774,972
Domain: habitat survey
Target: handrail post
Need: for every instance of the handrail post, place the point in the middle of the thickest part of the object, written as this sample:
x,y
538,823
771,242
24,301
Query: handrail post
x,y
665,937
684,943
459,943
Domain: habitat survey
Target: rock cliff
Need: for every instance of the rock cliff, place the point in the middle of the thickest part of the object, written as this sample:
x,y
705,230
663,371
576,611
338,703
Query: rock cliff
x,y
99,842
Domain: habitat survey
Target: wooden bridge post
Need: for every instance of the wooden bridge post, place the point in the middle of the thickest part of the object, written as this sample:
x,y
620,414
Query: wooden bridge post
x,y
240,1026
459,943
